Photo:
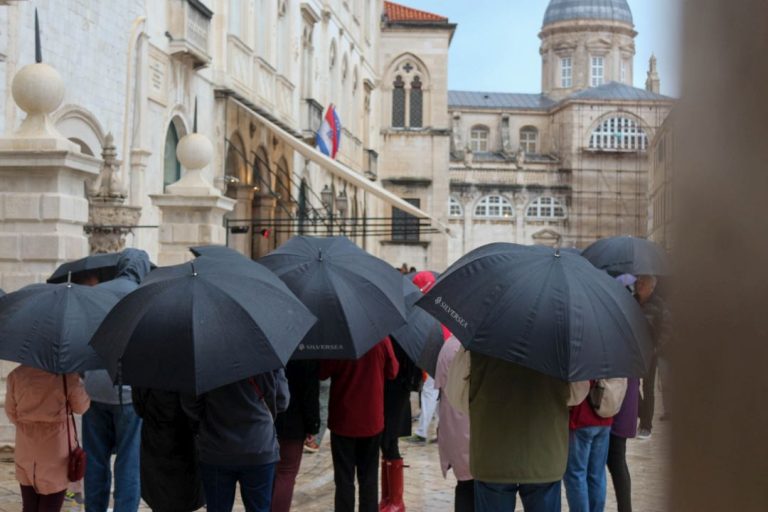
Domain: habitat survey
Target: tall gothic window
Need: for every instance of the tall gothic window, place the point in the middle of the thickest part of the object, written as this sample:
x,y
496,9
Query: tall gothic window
x,y
618,134
171,165
408,91
566,72
529,137
598,71
545,208
398,103
405,227
417,103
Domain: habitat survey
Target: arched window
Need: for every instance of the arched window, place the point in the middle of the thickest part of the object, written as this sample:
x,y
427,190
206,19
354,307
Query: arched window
x,y
171,165
618,134
398,103
545,208
494,207
408,91
529,138
454,207
478,138
417,103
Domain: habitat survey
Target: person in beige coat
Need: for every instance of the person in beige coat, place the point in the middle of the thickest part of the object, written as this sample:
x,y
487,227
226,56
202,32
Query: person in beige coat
x,y
36,405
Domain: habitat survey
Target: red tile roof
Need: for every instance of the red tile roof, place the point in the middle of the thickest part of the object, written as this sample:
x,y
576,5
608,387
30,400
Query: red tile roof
x,y
399,13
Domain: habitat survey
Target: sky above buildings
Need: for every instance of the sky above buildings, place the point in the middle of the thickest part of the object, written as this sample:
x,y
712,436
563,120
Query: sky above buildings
x,y
496,46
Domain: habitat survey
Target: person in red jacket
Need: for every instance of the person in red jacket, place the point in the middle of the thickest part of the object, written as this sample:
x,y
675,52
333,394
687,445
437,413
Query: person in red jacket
x,y
585,481
356,420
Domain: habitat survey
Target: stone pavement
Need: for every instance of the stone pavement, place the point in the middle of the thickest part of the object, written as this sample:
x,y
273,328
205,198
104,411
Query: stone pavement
x,y
426,490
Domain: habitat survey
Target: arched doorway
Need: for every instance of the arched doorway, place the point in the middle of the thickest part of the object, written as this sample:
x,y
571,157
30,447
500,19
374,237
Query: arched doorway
x,y
263,205
171,164
239,189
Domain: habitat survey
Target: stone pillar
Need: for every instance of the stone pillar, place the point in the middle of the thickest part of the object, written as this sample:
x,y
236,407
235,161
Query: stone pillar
x,y
192,210
109,218
243,194
43,207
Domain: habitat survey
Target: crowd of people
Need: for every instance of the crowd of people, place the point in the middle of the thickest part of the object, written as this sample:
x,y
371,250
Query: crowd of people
x,y
520,432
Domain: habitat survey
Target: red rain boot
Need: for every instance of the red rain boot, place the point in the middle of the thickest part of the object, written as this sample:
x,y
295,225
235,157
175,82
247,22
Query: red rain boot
x,y
384,486
396,486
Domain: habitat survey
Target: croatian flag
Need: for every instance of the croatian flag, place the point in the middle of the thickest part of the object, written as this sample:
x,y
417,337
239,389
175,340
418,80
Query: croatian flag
x,y
329,135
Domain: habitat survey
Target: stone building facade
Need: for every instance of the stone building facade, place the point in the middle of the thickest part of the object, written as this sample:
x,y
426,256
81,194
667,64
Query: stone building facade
x,y
661,188
569,165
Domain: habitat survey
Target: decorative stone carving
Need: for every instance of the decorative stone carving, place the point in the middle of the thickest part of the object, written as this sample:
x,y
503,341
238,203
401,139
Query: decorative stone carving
x,y
506,135
109,219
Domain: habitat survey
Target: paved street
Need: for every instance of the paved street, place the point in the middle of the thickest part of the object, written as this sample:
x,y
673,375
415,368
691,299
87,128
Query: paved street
x,y
426,490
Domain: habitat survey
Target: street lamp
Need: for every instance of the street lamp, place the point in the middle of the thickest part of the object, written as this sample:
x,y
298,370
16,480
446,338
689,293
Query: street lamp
x,y
342,203
326,197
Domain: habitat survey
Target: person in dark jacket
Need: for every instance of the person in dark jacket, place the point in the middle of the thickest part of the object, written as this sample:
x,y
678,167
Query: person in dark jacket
x,y
300,420
356,420
111,426
658,317
397,423
237,440
170,477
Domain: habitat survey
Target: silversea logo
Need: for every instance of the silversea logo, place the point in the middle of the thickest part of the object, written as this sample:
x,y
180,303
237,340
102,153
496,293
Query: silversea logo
x,y
448,309
320,347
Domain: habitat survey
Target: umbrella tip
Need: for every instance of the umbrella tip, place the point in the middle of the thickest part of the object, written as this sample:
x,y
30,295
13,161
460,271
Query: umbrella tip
x,y
69,279
319,255
194,272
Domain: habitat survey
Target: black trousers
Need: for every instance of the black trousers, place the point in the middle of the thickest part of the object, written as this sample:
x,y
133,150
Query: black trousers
x,y
617,465
464,500
648,400
355,455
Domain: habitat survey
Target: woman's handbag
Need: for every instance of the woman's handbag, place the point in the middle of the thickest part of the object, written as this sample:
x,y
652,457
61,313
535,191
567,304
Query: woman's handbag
x,y
76,463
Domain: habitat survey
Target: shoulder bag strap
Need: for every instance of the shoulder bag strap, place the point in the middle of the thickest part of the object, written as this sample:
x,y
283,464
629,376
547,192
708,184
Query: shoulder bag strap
x,y
70,416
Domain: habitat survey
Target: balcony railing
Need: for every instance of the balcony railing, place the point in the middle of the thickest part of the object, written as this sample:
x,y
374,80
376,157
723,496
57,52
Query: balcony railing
x,y
189,29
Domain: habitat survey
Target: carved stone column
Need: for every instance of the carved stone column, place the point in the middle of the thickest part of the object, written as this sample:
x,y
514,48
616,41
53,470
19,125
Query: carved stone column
x,y
109,218
192,210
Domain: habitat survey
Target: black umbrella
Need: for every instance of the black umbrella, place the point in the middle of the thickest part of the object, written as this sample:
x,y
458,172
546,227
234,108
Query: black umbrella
x,y
217,251
48,326
628,255
549,311
104,264
357,298
201,325
422,336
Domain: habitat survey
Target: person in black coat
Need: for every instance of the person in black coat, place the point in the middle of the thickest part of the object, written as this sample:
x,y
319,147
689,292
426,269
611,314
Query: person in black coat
x,y
170,475
397,423
294,426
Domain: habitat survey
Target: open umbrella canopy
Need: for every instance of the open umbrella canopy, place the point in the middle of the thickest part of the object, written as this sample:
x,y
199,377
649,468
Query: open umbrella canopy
x,y
422,336
217,251
357,298
48,326
628,255
104,264
549,311
201,325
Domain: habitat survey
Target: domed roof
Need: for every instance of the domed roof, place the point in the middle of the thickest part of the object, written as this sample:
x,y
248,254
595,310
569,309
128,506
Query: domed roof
x,y
564,10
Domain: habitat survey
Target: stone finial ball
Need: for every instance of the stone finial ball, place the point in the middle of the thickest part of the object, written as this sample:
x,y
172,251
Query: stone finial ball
x,y
38,89
194,151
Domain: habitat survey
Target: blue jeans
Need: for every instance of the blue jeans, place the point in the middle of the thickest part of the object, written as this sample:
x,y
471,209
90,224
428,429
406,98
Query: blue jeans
x,y
503,497
585,477
109,429
220,483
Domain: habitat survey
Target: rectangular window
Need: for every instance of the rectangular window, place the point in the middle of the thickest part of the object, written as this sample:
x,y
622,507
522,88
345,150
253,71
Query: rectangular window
x,y
598,71
405,227
566,72
478,140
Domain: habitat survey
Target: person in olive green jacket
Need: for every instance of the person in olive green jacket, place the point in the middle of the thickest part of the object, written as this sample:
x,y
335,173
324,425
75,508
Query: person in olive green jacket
x,y
518,436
